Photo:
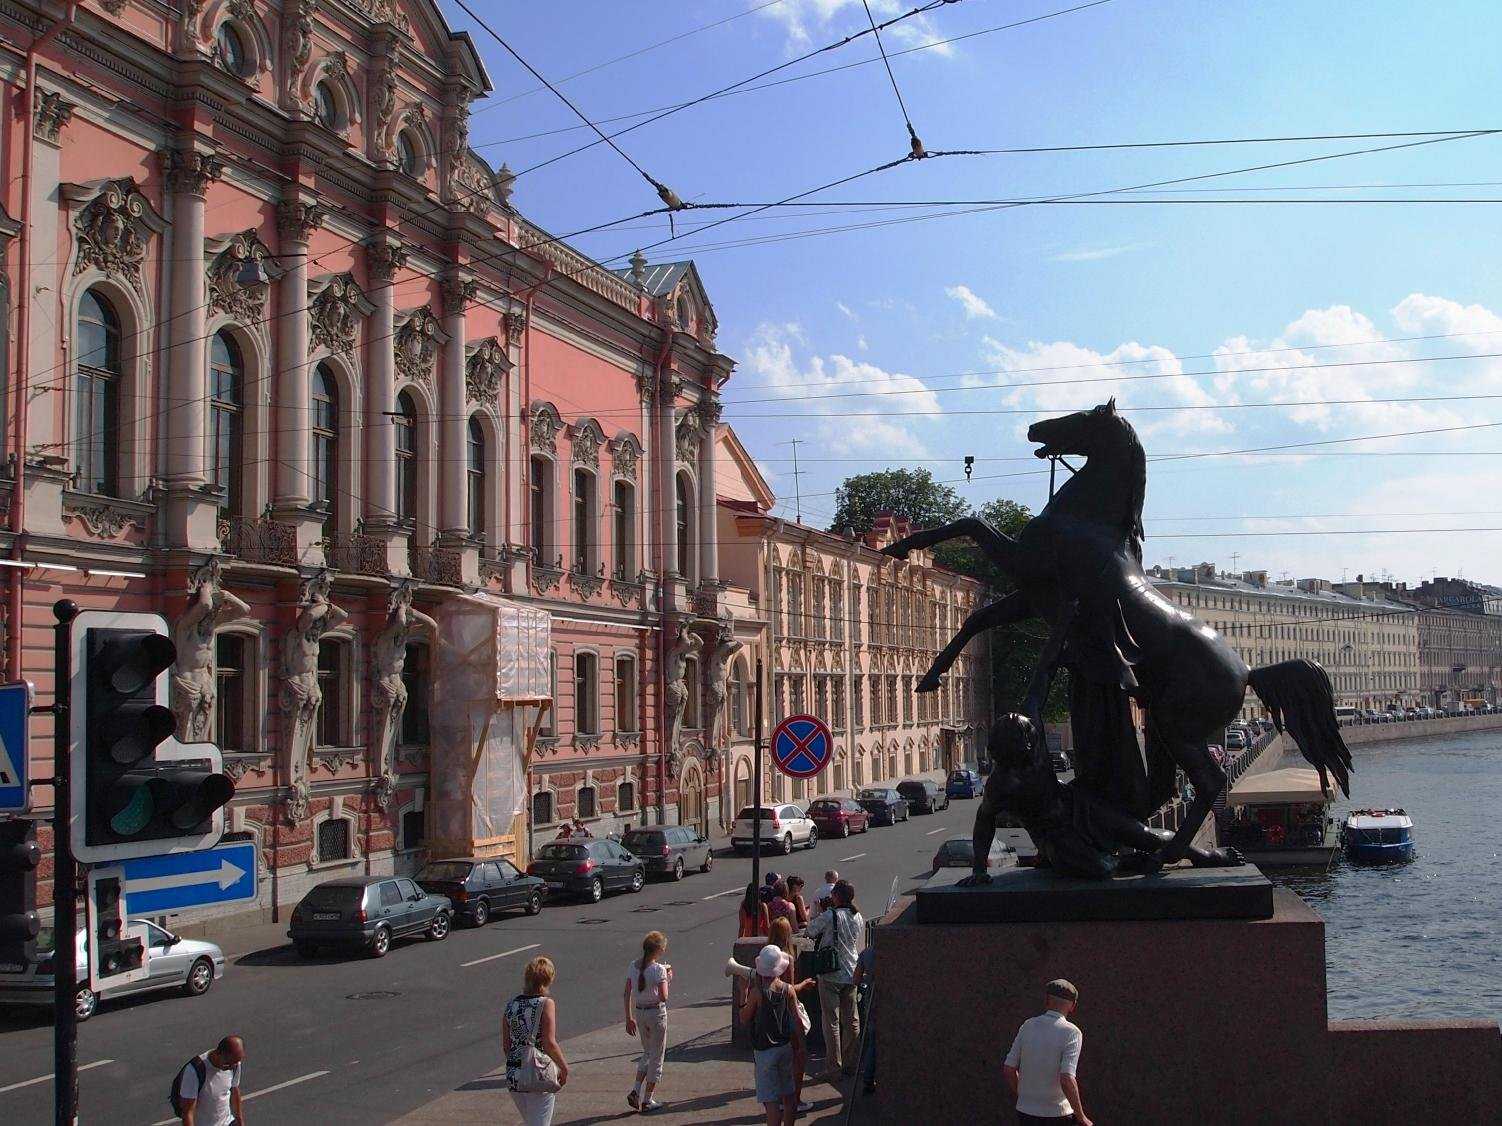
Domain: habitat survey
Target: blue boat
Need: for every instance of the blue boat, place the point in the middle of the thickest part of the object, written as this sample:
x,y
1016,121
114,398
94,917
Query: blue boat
x,y
1377,835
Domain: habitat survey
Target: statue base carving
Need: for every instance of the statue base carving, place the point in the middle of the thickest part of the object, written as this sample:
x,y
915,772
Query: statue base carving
x,y
1040,895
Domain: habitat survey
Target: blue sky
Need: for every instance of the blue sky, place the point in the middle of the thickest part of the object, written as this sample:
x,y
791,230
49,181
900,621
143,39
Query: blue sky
x,y
944,309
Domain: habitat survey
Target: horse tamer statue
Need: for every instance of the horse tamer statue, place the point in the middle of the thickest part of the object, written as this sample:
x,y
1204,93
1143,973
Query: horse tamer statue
x,y
1078,566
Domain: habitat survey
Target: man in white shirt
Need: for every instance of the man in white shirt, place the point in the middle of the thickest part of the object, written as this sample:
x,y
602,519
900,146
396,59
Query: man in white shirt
x,y
826,890
216,1102
842,928
1040,1067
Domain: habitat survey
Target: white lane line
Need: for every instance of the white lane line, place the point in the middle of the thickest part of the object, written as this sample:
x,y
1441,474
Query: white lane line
x,y
857,856
502,954
931,832
257,1094
722,894
48,1078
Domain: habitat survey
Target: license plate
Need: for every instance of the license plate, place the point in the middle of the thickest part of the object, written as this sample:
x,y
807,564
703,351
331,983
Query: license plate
x,y
325,916
554,886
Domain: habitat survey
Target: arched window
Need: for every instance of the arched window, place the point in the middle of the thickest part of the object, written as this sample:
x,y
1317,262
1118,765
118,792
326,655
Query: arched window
x,y
684,522
226,381
406,153
584,522
586,803
586,694
691,682
625,797
740,711
474,475
625,694
623,540
97,413
405,422
229,50
326,106
542,510
333,727
325,468
234,677
542,808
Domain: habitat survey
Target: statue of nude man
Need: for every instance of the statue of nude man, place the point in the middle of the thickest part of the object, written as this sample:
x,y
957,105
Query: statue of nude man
x,y
193,687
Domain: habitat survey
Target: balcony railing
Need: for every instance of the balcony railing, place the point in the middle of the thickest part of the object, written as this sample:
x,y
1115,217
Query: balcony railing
x,y
358,553
259,539
435,565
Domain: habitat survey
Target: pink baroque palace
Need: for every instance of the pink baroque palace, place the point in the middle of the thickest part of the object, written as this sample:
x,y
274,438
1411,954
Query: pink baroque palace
x,y
285,364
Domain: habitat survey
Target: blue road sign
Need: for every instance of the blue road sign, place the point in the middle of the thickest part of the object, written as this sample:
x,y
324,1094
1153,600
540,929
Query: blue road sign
x,y
15,722
180,881
802,746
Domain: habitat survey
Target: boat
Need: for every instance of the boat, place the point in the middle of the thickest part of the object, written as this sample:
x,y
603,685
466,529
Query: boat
x,y
1281,818
1378,835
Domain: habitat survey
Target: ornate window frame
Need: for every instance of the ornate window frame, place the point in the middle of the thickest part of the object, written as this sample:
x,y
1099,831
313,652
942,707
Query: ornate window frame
x,y
335,812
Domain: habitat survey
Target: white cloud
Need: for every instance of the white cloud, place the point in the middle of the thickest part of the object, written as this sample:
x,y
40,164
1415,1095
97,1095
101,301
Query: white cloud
x,y
805,21
974,305
860,342
1096,253
1420,314
847,310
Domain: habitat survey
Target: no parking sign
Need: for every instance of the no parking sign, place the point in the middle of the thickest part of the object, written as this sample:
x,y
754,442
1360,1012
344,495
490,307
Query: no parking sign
x,y
802,746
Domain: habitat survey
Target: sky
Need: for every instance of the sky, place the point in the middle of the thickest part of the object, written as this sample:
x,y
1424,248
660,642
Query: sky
x,y
930,333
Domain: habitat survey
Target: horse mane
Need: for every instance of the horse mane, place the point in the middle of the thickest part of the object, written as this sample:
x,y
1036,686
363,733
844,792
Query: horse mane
x,y
1138,495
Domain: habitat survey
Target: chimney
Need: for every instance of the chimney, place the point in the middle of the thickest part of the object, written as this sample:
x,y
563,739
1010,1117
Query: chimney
x,y
639,269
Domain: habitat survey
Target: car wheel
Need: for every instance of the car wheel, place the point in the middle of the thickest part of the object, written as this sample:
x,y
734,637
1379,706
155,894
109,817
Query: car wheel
x,y
787,844
380,943
596,890
534,903
85,1001
306,949
678,869
439,930
200,977
708,861
813,837
844,829
481,914
639,878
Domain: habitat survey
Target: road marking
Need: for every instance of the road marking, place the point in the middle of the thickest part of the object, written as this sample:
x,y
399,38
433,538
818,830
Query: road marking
x,y
722,894
502,954
48,1078
857,856
931,832
257,1094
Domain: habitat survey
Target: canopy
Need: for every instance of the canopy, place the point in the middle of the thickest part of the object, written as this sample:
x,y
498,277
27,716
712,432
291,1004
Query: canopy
x,y
1288,785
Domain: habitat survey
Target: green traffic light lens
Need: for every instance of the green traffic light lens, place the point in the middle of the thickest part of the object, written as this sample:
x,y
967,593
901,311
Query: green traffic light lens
x,y
135,815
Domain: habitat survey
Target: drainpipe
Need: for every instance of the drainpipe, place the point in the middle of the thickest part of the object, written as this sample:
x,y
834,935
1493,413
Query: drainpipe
x,y
23,350
664,440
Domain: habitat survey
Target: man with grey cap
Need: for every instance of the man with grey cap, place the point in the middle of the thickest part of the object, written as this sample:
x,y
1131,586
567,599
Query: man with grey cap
x,y
1040,1067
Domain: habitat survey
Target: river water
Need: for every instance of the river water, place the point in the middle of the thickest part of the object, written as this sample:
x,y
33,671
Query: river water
x,y
1421,939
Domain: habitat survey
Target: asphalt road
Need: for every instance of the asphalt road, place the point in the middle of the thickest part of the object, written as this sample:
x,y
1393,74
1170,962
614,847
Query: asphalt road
x,y
319,1051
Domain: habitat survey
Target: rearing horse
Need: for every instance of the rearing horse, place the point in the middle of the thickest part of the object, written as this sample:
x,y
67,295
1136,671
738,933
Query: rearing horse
x,y
1078,565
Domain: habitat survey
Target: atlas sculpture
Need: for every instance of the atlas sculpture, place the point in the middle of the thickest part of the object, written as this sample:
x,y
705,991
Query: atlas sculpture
x,y
1078,566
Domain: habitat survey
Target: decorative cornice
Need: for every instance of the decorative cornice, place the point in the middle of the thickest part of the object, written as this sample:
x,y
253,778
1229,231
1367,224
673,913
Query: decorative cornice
x,y
709,411
516,325
544,579
384,258
417,341
188,171
52,112
336,312
113,229
106,517
586,442
484,369
687,438
227,294
627,452
296,220
585,585
457,292
545,427
238,766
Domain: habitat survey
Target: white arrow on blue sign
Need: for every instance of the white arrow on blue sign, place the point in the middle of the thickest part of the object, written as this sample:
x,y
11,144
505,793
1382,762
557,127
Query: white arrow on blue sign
x,y
15,722
181,881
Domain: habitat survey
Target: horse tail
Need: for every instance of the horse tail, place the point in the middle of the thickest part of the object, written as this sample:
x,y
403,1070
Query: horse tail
x,y
1299,696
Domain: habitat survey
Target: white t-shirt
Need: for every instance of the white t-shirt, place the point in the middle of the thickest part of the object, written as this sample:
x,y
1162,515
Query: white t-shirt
x,y
212,1107
1046,1047
654,976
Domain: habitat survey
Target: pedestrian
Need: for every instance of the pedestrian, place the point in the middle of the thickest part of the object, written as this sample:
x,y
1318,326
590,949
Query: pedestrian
x,y
206,1091
781,906
647,982
531,1022
753,914
840,928
865,989
1040,1068
826,889
776,1037
795,896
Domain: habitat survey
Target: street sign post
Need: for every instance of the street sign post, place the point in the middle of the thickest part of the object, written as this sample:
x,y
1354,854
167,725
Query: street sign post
x,y
802,746
15,713
181,881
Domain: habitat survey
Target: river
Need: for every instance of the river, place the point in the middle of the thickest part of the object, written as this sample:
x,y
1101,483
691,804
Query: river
x,y
1419,940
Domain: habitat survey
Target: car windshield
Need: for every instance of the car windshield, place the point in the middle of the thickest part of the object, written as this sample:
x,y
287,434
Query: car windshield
x,y
445,870
824,804
910,788
750,811
561,852
639,839
333,896
874,795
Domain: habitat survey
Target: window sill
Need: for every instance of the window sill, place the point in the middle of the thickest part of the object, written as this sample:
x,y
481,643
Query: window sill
x,y
325,865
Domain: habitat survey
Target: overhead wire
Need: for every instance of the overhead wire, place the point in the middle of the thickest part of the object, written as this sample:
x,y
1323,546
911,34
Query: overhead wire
x,y
907,118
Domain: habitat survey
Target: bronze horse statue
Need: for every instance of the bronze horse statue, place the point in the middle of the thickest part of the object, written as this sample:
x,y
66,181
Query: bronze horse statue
x,y
1078,566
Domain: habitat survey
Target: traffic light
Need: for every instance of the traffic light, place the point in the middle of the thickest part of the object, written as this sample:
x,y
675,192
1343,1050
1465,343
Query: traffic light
x,y
137,791
117,948
19,857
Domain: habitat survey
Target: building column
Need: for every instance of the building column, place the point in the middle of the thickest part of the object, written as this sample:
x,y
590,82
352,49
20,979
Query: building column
x,y
296,222
709,540
453,430
667,472
516,461
384,256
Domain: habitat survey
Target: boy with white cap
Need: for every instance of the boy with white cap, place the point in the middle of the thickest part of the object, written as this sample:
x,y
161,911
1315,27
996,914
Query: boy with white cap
x,y
776,1035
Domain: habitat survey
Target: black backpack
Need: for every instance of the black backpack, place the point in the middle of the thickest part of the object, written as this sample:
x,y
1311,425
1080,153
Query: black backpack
x,y
176,1096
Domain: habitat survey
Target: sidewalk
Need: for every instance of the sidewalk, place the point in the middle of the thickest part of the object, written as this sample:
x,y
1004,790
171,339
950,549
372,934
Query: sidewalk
x,y
705,1081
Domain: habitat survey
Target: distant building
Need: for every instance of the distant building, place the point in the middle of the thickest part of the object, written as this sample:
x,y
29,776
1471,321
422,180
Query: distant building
x,y
1459,594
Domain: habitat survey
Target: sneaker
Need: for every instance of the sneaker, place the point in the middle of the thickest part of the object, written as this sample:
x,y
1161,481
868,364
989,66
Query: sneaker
x,y
633,1100
650,1105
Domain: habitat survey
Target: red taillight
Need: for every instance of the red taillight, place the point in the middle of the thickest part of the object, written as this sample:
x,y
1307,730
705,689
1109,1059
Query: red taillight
x,y
460,896
585,869
359,915
531,869
666,851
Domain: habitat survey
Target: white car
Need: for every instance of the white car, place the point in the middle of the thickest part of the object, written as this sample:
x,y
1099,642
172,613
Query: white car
x,y
176,963
782,827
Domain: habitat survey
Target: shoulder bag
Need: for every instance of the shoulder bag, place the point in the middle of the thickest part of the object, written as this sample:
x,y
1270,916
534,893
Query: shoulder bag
x,y
824,959
538,1071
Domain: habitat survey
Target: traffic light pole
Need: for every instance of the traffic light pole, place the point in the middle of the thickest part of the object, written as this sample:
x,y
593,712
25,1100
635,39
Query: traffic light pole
x,y
65,877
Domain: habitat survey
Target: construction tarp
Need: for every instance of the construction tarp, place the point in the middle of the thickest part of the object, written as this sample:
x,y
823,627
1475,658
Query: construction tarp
x,y
1288,785
491,676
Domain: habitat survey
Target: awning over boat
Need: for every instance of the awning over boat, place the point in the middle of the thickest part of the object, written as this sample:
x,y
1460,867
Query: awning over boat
x,y
1287,785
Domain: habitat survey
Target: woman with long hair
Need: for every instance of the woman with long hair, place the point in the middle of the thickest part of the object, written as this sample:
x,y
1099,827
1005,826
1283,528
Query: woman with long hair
x,y
646,998
754,921
531,1020
781,937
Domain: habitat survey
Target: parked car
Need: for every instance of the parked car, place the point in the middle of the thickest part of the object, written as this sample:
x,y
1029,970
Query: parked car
x,y
175,963
838,817
886,807
1235,740
479,886
959,852
588,868
964,783
369,912
1059,760
670,850
922,795
782,826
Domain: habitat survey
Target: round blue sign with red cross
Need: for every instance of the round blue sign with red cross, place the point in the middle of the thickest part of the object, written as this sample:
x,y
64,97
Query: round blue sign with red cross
x,y
802,746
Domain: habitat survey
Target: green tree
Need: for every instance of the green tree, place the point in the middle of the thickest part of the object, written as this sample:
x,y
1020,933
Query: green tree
x,y
909,493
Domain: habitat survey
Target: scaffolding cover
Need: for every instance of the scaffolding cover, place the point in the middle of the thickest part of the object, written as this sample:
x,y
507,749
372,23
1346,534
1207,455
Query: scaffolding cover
x,y
491,676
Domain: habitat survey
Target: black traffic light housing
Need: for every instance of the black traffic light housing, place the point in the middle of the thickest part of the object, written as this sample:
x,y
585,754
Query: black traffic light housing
x,y
117,950
19,925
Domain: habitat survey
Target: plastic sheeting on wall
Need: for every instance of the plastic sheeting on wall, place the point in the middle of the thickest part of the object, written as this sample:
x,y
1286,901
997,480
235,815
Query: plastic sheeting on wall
x,y
490,672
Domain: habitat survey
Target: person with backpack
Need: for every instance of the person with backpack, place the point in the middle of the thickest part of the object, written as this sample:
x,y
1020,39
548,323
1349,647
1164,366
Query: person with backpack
x,y
837,935
535,1068
206,1089
776,1037
647,983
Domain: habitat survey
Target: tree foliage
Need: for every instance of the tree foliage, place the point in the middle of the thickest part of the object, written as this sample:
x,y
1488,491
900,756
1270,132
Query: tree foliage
x,y
910,493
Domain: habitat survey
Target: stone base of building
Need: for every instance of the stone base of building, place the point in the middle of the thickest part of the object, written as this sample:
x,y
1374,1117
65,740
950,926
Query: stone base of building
x,y
1208,1020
